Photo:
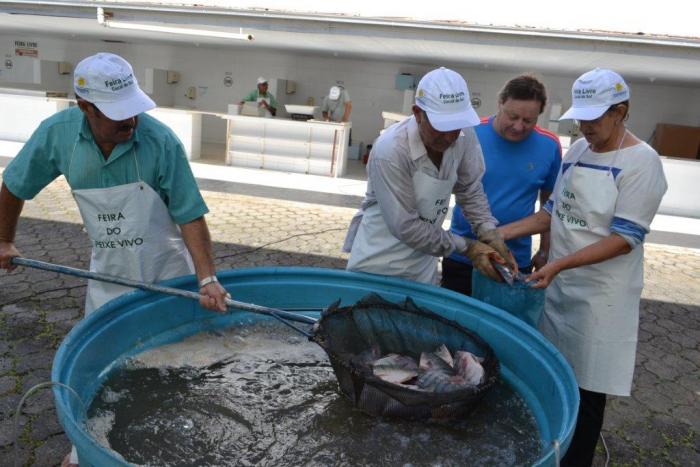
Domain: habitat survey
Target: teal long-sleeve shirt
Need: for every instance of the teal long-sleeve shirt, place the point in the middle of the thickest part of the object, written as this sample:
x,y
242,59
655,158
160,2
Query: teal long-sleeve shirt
x,y
63,144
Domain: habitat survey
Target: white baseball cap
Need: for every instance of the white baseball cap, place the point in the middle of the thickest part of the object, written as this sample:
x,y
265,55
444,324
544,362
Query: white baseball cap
x,y
334,93
594,92
444,96
108,81
262,80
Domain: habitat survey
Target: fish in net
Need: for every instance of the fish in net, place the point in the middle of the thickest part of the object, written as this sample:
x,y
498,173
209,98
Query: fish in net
x,y
354,337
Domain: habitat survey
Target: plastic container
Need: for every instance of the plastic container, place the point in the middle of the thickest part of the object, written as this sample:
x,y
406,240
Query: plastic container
x,y
519,300
300,109
141,320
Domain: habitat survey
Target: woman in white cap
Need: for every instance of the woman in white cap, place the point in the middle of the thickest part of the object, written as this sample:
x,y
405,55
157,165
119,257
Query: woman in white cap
x,y
607,193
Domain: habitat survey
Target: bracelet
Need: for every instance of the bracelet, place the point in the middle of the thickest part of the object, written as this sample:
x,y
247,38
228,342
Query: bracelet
x,y
207,280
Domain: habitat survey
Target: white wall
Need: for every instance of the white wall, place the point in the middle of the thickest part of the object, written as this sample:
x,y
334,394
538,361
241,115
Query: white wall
x,y
370,83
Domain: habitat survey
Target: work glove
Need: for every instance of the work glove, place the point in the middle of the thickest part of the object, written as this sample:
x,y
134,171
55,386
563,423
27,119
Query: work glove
x,y
493,239
480,255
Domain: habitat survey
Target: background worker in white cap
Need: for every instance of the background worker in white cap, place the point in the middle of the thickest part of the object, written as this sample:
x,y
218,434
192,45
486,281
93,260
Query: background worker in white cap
x,y
336,106
263,97
607,193
414,167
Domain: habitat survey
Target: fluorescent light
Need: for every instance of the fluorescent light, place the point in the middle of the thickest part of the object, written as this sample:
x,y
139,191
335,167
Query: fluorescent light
x,y
103,20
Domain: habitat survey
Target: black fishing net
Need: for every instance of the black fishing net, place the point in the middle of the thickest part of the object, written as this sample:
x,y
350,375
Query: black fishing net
x,y
347,333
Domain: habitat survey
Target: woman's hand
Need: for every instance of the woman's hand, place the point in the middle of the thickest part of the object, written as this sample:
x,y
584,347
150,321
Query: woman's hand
x,y
545,275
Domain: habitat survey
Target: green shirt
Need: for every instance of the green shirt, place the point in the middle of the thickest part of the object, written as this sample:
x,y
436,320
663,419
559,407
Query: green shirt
x,y
63,144
254,95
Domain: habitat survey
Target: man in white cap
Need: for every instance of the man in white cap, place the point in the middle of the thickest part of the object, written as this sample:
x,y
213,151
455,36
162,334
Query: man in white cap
x,y
263,97
131,180
130,177
336,106
414,167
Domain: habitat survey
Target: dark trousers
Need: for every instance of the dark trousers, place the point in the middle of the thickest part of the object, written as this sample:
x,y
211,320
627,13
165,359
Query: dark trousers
x,y
458,276
588,426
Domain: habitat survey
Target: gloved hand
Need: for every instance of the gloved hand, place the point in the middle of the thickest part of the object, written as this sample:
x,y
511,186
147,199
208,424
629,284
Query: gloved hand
x,y
480,255
493,239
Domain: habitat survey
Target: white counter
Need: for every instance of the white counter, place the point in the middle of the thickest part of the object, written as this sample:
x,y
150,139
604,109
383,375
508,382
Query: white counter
x,y
22,112
310,147
187,125
681,198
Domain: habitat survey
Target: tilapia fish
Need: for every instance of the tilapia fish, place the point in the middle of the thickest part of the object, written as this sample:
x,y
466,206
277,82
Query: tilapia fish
x,y
394,368
468,368
437,371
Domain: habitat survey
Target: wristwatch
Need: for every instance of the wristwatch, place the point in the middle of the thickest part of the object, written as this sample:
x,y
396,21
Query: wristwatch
x,y
207,280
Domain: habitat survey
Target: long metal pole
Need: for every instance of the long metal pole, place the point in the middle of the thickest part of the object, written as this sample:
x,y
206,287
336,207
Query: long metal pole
x,y
274,312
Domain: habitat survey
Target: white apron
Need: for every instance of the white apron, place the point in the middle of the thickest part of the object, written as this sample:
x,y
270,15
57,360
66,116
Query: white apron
x,y
592,312
132,235
267,113
376,250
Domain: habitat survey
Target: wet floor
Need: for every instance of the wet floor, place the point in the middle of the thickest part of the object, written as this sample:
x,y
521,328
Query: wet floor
x,y
272,399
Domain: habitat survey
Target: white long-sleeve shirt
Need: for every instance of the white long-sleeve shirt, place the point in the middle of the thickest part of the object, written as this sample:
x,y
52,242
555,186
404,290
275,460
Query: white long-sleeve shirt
x,y
396,156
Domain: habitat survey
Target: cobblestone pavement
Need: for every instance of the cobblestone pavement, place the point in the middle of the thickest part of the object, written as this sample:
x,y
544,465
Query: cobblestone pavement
x,y
658,425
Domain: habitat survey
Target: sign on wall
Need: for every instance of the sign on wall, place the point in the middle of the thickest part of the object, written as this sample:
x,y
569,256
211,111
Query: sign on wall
x,y
19,68
26,48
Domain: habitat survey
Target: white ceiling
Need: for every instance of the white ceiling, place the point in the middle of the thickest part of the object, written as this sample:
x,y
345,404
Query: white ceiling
x,y
638,59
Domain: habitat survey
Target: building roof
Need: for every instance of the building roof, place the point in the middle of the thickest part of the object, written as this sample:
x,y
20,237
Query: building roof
x,y
657,57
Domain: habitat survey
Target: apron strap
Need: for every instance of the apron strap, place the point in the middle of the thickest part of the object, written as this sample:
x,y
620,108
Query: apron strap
x,y
70,162
72,154
136,162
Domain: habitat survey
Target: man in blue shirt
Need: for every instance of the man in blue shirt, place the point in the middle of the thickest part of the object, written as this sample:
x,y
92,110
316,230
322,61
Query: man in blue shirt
x,y
521,161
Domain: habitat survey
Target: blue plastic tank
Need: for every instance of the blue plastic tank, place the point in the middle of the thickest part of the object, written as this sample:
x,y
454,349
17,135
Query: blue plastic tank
x,y
141,320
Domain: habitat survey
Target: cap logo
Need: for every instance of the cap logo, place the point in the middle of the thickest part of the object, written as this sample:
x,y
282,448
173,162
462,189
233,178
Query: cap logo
x,y
584,93
421,93
117,84
81,81
619,87
452,98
